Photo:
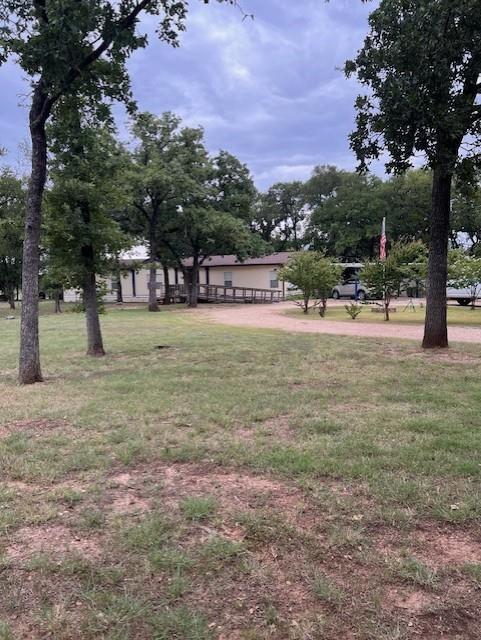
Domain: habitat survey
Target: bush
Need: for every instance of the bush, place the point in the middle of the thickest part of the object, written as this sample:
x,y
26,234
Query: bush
x,y
353,309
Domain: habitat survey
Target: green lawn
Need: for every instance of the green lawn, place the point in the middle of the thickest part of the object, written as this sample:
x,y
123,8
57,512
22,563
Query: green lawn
x,y
461,316
238,484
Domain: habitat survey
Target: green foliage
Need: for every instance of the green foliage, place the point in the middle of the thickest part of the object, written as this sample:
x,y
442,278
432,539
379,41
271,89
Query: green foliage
x,y
86,188
182,624
466,214
217,552
414,571
280,214
347,210
150,535
387,278
198,508
186,204
34,33
324,589
353,309
312,273
233,186
12,204
6,632
465,273
421,64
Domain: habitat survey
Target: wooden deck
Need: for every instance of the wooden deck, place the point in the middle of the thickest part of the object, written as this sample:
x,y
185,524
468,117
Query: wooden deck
x,y
218,293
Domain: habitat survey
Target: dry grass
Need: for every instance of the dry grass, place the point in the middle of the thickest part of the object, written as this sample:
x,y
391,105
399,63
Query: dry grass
x,y
241,485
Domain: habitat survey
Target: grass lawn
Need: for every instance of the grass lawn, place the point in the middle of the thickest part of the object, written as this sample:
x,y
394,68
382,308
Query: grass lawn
x,y
461,316
238,484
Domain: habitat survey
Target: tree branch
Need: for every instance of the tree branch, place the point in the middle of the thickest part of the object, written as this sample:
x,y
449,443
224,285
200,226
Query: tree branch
x,y
75,72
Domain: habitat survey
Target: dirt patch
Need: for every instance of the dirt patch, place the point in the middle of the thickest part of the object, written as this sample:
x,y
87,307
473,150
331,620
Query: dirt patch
x,y
442,548
233,491
280,427
411,601
288,578
32,427
129,503
53,540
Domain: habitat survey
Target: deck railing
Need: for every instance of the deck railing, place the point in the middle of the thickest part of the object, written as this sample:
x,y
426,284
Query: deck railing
x,y
220,293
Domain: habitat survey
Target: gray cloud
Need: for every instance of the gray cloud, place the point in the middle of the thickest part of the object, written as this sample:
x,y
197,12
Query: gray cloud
x,y
268,90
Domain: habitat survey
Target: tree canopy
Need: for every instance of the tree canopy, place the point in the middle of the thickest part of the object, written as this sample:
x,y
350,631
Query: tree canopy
x,y
12,205
421,64
70,48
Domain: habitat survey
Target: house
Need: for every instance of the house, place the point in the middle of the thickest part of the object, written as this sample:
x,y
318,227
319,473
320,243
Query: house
x,y
224,271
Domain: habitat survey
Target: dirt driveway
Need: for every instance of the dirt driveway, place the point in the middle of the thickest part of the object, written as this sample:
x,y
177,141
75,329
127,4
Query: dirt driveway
x,y
273,317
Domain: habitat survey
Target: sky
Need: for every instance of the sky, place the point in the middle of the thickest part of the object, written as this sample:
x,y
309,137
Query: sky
x,y
269,90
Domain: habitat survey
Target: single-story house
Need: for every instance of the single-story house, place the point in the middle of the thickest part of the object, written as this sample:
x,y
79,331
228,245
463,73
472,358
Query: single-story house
x,y
225,271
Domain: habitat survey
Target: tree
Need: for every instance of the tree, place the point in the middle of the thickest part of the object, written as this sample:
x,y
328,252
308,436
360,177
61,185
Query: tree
x,y
387,278
314,275
82,238
52,284
69,48
265,218
465,273
200,231
12,203
234,187
158,175
345,223
284,205
466,216
328,275
406,201
347,210
421,63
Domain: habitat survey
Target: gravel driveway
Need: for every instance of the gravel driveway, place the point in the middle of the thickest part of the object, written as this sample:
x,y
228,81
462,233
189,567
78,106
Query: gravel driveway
x,y
273,317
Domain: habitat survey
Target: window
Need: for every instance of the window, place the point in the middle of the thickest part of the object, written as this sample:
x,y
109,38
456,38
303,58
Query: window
x,y
274,280
227,278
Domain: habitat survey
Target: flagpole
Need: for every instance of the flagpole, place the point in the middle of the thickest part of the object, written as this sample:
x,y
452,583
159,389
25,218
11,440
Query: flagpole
x,y
382,257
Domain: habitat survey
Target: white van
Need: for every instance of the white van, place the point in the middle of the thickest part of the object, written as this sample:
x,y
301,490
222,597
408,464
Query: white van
x,y
462,296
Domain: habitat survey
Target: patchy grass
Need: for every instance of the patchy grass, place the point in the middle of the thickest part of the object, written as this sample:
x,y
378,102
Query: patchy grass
x,y
242,484
198,508
413,570
460,316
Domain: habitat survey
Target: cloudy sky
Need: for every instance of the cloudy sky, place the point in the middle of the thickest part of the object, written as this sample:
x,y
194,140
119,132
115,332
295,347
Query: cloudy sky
x,y
269,90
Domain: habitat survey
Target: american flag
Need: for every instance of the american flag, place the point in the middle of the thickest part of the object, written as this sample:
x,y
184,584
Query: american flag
x,y
382,245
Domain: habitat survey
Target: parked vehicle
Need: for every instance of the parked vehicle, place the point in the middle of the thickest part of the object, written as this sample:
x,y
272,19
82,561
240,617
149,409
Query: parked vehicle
x,y
350,281
463,297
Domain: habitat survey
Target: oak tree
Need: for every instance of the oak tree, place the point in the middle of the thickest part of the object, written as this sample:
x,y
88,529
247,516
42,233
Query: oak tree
x,y
421,64
69,48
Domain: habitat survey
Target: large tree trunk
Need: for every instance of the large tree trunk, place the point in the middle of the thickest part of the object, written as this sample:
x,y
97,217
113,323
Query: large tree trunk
x,y
436,328
95,345
153,304
193,284
56,297
29,360
120,295
167,298
11,300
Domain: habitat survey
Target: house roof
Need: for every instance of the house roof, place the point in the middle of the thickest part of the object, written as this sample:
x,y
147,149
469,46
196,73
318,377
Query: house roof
x,y
279,258
140,253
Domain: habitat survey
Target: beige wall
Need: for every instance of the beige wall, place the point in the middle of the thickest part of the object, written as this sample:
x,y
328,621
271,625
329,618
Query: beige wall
x,y
256,276
141,286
